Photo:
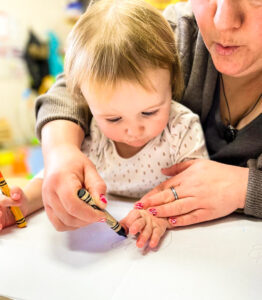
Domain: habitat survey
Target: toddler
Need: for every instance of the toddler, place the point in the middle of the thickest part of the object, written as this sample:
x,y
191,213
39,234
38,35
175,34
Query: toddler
x,y
122,59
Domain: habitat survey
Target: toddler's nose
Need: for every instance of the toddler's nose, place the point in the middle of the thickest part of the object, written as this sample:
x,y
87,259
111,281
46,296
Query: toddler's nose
x,y
135,130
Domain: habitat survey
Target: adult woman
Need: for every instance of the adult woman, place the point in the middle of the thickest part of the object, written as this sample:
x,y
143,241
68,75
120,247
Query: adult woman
x,y
226,40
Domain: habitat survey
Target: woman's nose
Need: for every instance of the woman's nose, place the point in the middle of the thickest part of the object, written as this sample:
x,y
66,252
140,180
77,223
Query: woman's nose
x,y
228,15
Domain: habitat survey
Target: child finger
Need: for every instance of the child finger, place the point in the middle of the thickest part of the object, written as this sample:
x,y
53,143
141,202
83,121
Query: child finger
x,y
145,234
132,216
156,236
16,193
7,201
137,226
1,214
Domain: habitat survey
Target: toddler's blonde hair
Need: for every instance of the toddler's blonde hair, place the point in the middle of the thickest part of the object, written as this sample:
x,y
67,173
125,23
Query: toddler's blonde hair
x,y
119,40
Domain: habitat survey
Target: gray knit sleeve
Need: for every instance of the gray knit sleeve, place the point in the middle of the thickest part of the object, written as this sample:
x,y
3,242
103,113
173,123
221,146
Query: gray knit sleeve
x,y
57,104
253,204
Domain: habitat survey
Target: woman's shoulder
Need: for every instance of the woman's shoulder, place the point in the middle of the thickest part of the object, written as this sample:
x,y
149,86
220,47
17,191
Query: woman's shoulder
x,y
200,75
182,21
184,134
180,112
174,12
181,120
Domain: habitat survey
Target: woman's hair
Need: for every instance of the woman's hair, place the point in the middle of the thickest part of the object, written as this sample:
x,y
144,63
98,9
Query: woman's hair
x,y
119,40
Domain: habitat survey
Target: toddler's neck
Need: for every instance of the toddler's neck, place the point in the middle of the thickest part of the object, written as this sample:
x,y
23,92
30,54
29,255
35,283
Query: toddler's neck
x,y
126,151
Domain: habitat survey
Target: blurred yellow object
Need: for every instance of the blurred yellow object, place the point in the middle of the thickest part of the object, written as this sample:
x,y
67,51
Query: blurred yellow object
x,y
5,131
6,158
14,162
46,83
6,161
162,4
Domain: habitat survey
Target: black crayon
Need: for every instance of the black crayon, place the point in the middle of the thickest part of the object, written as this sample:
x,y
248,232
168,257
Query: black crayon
x,y
111,221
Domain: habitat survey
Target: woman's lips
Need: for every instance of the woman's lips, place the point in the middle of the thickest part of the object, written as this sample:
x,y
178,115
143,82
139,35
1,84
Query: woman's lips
x,y
225,50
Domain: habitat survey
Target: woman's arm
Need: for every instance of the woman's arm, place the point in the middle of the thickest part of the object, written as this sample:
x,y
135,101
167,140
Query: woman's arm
x,y
67,169
253,205
58,104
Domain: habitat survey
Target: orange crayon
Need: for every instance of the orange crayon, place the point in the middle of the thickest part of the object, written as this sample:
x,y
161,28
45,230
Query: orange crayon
x,y
19,218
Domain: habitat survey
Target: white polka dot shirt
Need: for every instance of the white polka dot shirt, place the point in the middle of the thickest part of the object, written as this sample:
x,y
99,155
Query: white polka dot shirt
x,y
181,140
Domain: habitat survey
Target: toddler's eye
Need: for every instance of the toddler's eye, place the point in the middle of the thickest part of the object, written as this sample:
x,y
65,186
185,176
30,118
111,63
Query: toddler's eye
x,y
114,120
149,113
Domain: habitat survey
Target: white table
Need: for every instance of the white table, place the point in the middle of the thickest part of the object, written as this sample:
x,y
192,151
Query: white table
x,y
217,260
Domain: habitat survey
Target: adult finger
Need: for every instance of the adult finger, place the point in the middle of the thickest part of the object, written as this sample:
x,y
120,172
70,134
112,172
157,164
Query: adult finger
x,y
67,207
65,218
161,198
154,191
173,181
59,226
194,217
71,205
177,168
175,208
95,185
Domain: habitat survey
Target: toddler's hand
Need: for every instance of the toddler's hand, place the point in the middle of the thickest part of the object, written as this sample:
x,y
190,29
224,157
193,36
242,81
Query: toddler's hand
x,y
150,228
17,198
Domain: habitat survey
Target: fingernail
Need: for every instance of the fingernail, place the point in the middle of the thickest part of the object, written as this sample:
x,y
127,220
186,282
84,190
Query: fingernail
x,y
172,221
102,220
103,198
139,205
153,211
15,196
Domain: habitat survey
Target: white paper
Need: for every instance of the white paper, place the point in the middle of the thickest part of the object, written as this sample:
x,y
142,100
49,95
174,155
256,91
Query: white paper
x,y
217,260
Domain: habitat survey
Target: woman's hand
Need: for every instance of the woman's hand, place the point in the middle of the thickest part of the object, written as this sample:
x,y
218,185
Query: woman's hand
x,y
67,171
149,228
206,190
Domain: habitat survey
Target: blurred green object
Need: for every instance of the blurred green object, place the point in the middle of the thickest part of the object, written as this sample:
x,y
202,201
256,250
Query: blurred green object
x,y
34,141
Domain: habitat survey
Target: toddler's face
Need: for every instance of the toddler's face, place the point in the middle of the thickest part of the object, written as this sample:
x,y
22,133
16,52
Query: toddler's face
x,y
130,114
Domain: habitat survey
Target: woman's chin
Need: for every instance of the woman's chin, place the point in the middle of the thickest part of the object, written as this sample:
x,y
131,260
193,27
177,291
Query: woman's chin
x,y
233,64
